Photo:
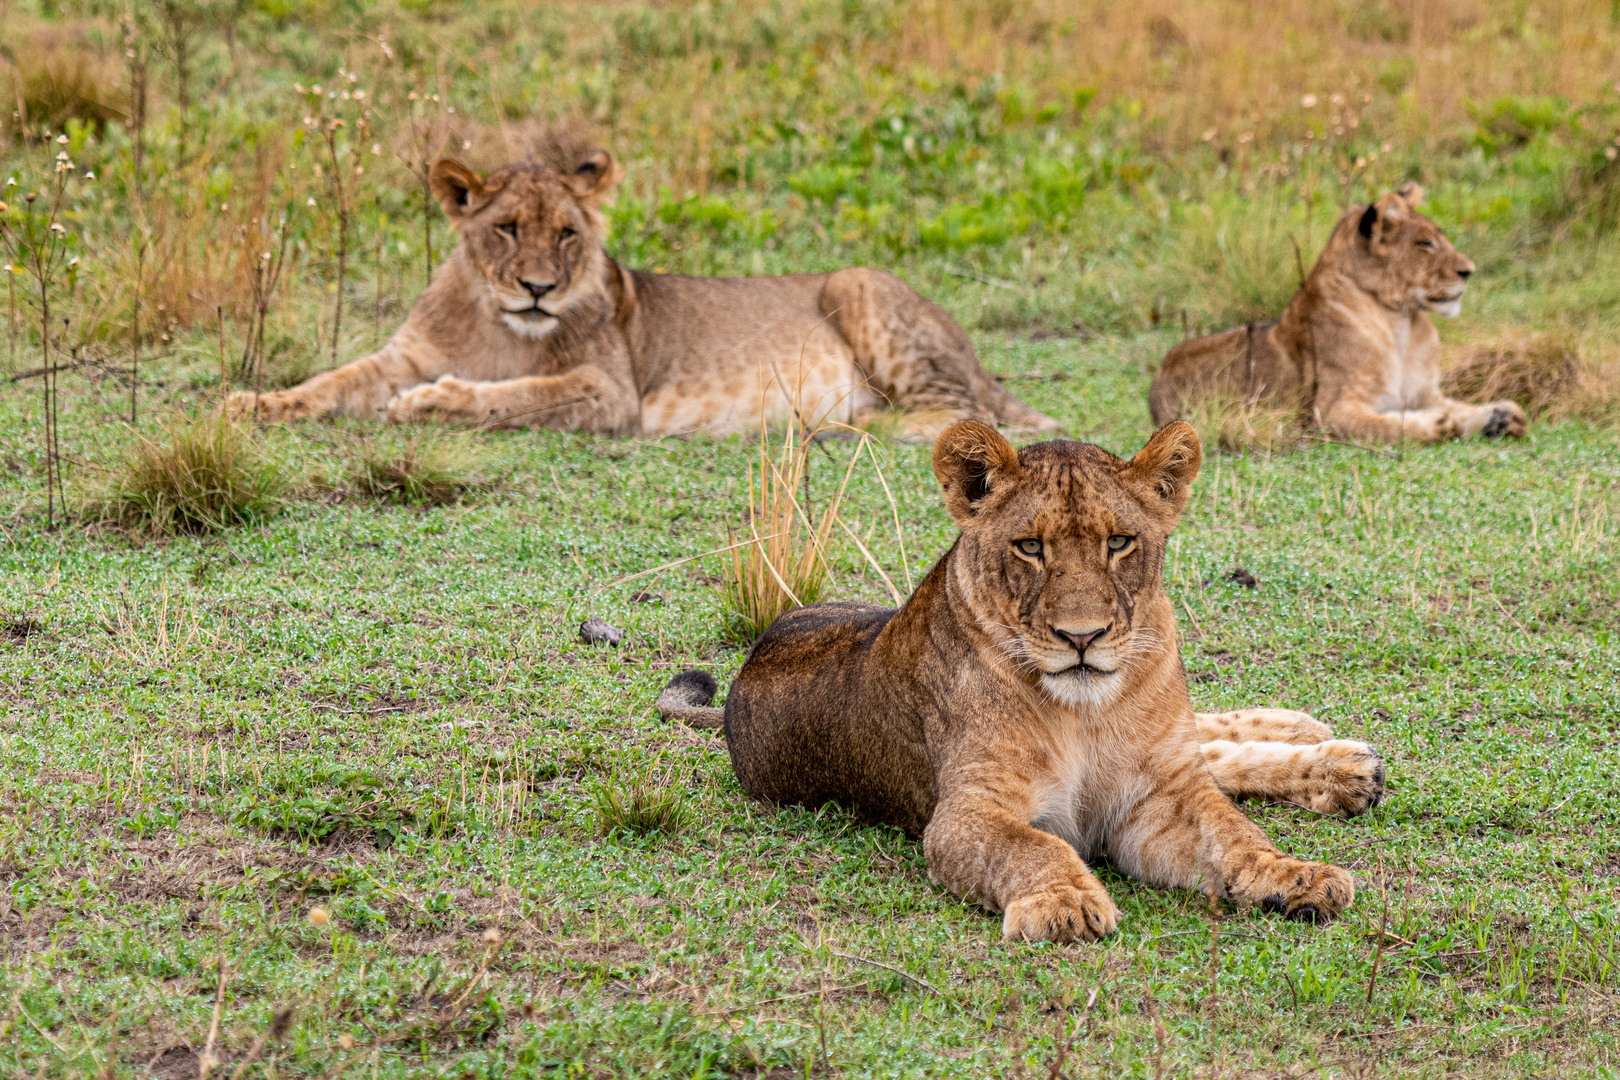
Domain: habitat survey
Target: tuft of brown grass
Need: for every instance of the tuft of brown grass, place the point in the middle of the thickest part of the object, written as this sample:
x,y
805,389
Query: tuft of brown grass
x,y
786,564
1544,373
1236,424
199,473
51,74
424,471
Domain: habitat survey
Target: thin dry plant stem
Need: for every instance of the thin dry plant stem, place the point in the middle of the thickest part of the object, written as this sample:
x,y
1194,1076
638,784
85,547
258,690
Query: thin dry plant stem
x,y
1383,929
205,1064
679,562
332,127
894,594
894,510
224,373
376,312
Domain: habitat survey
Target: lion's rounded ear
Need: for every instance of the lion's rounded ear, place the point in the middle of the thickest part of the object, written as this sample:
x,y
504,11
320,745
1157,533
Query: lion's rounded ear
x,y
1164,469
1369,218
1412,192
459,189
972,460
593,177
1380,221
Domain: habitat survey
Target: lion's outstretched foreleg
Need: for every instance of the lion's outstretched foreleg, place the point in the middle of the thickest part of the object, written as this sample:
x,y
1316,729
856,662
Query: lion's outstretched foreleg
x,y
1437,423
361,388
584,399
981,850
1188,834
1287,755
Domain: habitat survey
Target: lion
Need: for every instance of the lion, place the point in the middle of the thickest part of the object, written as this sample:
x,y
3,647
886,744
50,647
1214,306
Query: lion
x,y
1026,709
531,324
1355,349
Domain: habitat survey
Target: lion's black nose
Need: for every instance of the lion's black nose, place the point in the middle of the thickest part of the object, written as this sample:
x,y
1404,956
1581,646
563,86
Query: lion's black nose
x,y
1081,641
1464,274
537,289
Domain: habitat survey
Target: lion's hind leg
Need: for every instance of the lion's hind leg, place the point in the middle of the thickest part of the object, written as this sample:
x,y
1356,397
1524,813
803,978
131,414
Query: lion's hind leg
x,y
1335,776
917,359
1262,725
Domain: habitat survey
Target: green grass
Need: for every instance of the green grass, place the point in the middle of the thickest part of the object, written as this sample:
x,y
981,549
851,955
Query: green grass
x,y
402,726
367,697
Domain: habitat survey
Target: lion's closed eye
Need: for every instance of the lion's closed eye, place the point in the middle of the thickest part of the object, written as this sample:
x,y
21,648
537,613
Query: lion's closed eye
x,y
508,229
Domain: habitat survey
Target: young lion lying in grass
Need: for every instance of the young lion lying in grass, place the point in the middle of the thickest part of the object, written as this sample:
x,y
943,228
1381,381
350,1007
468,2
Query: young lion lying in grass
x,y
1355,350
1027,705
531,324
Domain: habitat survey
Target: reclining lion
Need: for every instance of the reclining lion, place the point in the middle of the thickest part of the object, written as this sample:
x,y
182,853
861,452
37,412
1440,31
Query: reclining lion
x,y
1354,350
1027,707
531,324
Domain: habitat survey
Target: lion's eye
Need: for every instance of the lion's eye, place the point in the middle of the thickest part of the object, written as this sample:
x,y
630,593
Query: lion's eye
x,y
1426,245
566,234
1028,547
508,229
1119,543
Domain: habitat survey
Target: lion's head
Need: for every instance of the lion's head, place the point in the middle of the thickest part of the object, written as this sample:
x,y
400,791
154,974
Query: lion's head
x,y
1401,257
533,233
1062,548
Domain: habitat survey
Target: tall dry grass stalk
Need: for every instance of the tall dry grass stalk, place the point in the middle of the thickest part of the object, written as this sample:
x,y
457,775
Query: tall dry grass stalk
x,y
784,562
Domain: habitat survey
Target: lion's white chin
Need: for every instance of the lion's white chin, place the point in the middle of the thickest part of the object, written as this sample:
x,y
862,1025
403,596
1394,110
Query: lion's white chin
x,y
1082,686
528,327
1449,308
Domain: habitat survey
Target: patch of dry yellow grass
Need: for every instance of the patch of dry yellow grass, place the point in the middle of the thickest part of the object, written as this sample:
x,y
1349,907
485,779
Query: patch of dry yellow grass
x,y
1545,373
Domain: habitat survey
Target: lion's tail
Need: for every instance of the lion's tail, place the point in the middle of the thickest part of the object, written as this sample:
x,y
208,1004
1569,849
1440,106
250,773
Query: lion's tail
x,y
687,698
1009,409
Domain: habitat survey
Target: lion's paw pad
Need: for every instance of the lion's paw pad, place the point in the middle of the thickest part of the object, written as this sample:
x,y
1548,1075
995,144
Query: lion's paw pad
x,y
1062,913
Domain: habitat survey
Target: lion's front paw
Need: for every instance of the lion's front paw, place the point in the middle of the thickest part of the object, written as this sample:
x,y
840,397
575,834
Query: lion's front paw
x,y
1061,913
274,407
1507,420
1345,777
1447,428
1294,888
448,399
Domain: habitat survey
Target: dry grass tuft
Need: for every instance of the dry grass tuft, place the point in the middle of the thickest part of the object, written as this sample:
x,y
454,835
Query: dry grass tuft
x,y
56,74
199,474
1235,424
424,471
786,564
1544,373
638,807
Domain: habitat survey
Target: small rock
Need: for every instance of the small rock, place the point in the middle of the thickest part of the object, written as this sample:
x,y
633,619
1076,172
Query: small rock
x,y
594,631
1243,577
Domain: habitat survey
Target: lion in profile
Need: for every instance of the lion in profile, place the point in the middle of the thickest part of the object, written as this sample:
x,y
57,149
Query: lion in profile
x,y
531,324
1355,350
1026,709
